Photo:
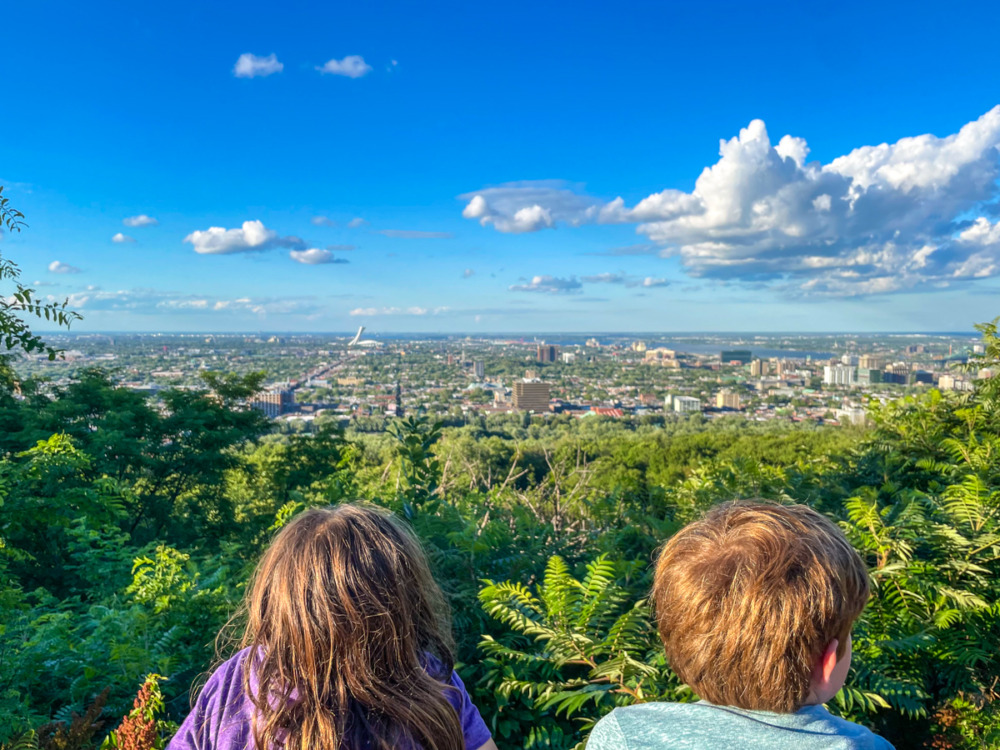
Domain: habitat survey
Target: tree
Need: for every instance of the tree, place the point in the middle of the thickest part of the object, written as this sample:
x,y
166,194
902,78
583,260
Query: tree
x,y
14,332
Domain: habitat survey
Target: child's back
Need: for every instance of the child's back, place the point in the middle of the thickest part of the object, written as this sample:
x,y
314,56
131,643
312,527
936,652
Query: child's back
x,y
703,726
755,604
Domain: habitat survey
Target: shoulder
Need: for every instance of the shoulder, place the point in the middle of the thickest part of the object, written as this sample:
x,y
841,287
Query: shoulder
x,y
861,737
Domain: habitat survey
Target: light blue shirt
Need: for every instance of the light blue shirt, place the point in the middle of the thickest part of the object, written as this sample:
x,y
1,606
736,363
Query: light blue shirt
x,y
704,726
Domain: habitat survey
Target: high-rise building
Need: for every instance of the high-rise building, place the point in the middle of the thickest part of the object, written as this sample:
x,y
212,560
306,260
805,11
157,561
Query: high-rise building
x,y
547,353
869,376
743,356
684,404
568,358
839,375
531,396
479,368
756,368
273,403
871,362
593,343
726,399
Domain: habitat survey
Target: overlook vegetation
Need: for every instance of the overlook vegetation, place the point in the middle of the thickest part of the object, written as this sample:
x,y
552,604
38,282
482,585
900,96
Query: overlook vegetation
x,y
128,531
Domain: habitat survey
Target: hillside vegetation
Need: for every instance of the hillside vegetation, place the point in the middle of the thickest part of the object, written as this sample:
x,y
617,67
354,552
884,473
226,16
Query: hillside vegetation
x,y
129,528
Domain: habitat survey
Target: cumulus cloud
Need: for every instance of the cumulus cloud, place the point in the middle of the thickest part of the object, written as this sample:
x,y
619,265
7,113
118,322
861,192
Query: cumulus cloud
x,y
649,281
356,222
323,221
122,238
548,285
412,234
252,66
140,221
886,218
352,66
57,266
314,257
252,236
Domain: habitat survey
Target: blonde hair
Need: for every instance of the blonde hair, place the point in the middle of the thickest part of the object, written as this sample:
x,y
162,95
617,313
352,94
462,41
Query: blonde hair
x,y
748,598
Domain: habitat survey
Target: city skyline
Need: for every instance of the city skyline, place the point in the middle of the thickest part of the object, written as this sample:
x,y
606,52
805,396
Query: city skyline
x,y
651,170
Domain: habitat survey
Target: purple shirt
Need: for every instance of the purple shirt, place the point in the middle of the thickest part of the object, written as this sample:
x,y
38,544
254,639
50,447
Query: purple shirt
x,y
220,719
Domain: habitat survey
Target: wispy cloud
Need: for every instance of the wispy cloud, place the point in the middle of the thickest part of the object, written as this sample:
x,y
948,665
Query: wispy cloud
x,y
322,221
154,302
252,66
140,221
314,257
548,285
352,66
356,222
369,312
122,238
252,236
468,273
341,248
413,234
894,217
57,266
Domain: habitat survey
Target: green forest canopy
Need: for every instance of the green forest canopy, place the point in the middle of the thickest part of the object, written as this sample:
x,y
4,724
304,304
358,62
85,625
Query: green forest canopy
x,y
128,530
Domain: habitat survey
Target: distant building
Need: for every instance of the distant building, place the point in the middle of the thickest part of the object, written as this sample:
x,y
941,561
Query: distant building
x,y
743,356
568,358
954,383
480,369
593,343
685,404
531,396
915,349
726,399
853,415
659,355
839,375
849,359
639,346
547,353
871,362
869,376
273,403
757,368
898,373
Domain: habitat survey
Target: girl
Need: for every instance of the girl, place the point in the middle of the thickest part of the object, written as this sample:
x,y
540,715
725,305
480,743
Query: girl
x,y
347,647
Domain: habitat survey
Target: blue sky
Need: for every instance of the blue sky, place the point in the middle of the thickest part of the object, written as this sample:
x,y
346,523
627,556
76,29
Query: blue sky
x,y
455,167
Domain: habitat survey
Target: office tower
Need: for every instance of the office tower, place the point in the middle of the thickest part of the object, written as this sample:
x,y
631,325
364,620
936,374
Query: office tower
x,y
531,396
756,368
726,399
480,369
839,375
547,353
685,404
871,362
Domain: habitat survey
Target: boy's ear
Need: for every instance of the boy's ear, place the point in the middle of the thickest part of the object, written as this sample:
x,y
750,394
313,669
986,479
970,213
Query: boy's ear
x,y
823,672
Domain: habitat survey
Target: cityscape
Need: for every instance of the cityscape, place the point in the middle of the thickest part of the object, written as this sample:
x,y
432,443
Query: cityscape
x,y
827,380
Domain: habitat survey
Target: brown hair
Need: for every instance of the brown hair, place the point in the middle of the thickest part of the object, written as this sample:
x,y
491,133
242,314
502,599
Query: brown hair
x,y
748,598
349,637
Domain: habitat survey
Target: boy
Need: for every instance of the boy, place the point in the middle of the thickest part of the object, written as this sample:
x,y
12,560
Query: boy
x,y
755,605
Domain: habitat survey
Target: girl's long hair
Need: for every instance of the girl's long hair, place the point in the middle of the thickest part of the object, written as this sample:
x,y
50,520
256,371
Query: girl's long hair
x,y
349,637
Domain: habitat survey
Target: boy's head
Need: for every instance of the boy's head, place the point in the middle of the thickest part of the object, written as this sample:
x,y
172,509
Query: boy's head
x,y
750,598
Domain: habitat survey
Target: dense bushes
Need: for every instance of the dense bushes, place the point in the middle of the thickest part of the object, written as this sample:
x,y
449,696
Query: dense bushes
x,y
128,531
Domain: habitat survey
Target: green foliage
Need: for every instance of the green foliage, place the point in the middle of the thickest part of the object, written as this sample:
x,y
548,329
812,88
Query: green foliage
x,y
129,528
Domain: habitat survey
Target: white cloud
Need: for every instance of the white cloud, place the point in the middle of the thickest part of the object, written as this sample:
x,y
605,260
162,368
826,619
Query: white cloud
x,y
352,66
356,222
57,266
323,221
548,285
156,302
252,66
122,238
340,248
140,221
468,273
649,281
604,278
879,219
369,312
314,256
252,236
413,234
